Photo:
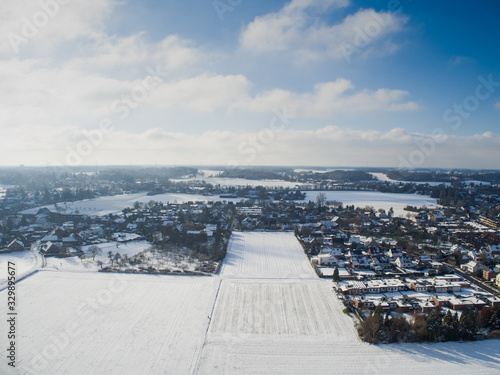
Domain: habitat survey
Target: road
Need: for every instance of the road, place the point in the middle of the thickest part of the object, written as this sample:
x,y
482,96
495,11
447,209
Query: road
x,y
479,283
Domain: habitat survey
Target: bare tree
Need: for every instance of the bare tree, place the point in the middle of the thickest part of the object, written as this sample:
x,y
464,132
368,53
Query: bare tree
x,y
321,199
93,251
111,257
118,258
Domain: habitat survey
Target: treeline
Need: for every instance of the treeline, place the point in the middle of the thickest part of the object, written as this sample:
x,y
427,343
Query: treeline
x,y
28,178
403,175
338,175
254,174
304,176
434,327
32,178
131,174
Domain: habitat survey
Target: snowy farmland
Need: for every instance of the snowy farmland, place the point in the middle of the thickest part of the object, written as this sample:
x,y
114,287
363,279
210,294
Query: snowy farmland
x,y
271,320
266,255
77,323
265,313
25,261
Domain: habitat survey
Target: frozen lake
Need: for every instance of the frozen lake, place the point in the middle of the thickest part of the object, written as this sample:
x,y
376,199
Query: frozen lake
x,y
383,177
376,200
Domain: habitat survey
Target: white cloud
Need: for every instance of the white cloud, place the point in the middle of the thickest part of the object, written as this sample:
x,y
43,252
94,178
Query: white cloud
x,y
330,98
328,146
34,92
297,28
29,26
205,92
113,52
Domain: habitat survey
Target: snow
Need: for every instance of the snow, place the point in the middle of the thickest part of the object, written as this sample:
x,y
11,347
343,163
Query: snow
x,y
75,264
275,309
115,204
328,271
266,255
209,172
383,177
125,237
294,325
128,248
109,324
302,356
299,170
179,260
229,181
376,200
25,263
93,207
264,314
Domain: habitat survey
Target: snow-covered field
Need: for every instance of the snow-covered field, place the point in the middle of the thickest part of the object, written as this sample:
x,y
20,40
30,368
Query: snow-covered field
x,y
313,355
268,320
266,255
25,262
72,323
284,309
296,325
75,264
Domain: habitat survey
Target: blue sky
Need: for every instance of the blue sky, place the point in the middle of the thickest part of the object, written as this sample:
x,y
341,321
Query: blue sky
x,y
369,83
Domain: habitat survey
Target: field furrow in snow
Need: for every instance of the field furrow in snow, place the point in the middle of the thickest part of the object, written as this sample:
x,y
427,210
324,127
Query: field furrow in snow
x,y
280,309
273,316
118,324
322,356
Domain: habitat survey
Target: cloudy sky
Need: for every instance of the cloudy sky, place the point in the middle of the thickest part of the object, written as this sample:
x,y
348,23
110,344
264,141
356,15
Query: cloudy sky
x,y
250,82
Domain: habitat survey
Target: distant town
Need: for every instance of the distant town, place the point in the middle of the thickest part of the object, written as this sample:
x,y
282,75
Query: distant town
x,y
440,261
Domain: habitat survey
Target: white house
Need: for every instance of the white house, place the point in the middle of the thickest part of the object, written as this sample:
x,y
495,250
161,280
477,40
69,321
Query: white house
x,y
404,262
327,260
332,250
471,267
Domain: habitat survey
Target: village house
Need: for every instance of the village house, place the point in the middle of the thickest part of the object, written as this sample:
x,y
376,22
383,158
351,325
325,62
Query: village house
x,y
404,262
472,267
